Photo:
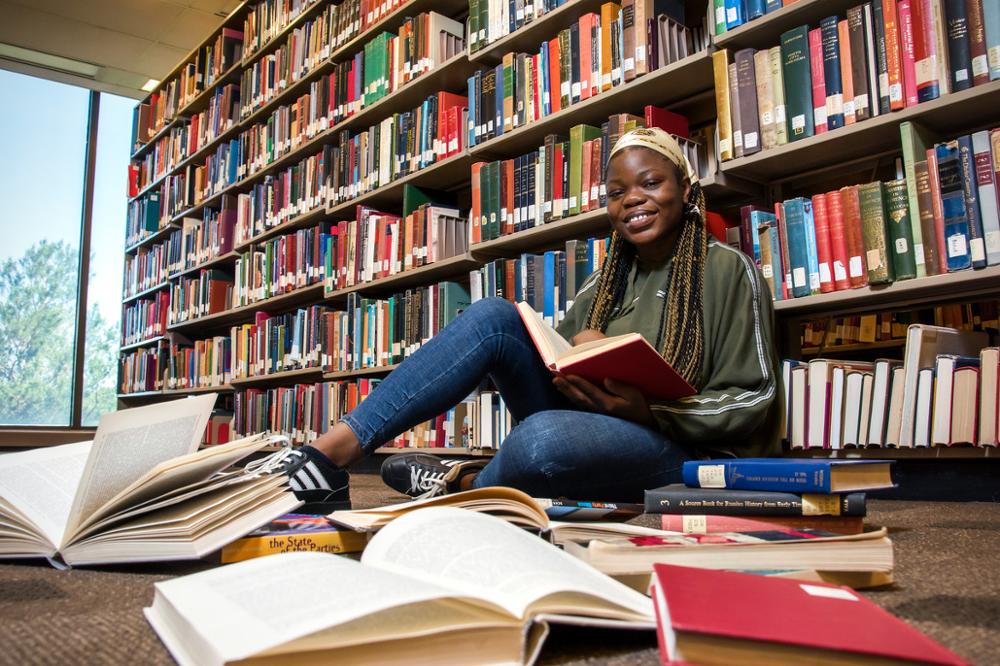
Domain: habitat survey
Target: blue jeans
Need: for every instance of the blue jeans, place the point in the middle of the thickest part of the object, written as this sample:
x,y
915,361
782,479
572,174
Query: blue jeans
x,y
555,450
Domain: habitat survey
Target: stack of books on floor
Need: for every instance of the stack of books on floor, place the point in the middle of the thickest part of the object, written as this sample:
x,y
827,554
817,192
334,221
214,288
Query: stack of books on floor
x,y
944,393
793,518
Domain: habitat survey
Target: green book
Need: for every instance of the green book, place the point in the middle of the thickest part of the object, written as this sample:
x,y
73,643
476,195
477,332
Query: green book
x,y
798,83
472,29
915,140
565,72
454,299
874,234
578,134
719,11
900,236
414,197
491,190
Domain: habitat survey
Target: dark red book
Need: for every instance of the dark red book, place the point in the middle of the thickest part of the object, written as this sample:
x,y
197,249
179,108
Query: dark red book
x,y
857,265
705,616
668,121
838,240
824,252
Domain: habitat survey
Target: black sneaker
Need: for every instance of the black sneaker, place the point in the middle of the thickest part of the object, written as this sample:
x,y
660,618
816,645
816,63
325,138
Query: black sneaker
x,y
315,480
422,475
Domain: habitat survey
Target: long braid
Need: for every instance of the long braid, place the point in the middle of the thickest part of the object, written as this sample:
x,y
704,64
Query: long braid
x,y
681,320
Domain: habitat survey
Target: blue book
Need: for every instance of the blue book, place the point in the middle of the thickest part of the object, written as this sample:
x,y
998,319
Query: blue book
x,y
812,253
777,262
758,218
991,26
498,99
831,73
801,475
543,62
755,9
472,94
549,288
970,188
772,6
956,218
798,253
735,13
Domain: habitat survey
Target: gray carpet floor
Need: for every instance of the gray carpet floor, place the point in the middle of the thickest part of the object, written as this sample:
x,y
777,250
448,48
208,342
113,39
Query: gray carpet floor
x,y
947,585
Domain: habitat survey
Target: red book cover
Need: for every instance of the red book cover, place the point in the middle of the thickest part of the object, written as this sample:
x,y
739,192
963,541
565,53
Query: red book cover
x,y
857,266
824,253
839,256
709,524
447,101
536,78
907,52
925,53
786,279
818,79
477,204
809,618
627,358
555,96
668,121
586,64
938,207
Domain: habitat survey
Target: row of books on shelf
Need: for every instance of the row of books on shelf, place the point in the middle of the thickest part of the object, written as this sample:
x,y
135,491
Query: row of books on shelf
x,y
891,326
267,19
145,318
944,393
883,57
734,13
202,72
562,177
592,56
868,234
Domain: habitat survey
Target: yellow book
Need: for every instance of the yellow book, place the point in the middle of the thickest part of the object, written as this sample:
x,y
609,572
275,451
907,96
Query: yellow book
x,y
295,533
720,66
609,14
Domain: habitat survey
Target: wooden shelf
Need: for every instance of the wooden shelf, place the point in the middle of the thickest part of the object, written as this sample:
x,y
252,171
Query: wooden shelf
x,y
676,82
853,347
529,36
765,32
360,372
140,395
201,100
283,378
143,343
444,174
153,238
211,201
950,115
545,235
153,184
950,286
437,451
928,453
145,292
724,190
243,313
195,390
156,137
423,275
221,259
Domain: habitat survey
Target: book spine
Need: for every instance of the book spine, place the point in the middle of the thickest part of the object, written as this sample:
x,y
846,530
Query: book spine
x,y
749,117
714,523
793,215
345,541
797,83
840,257
987,190
978,58
925,210
907,52
789,475
977,246
679,500
857,267
846,76
765,99
859,62
817,76
873,228
959,45
925,51
893,55
953,213
735,106
881,55
824,253
778,88
720,68
831,73
900,237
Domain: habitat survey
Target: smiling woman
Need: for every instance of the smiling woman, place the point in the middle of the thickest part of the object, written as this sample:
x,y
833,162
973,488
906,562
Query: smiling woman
x,y
703,305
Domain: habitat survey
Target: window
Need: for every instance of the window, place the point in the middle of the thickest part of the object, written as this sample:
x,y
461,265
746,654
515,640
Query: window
x,y
49,132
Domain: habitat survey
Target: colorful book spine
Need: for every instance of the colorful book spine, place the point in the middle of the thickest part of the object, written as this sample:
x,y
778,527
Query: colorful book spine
x,y
831,73
824,253
873,227
818,79
907,52
840,258
979,59
977,245
989,203
720,68
778,88
749,117
893,55
797,83
679,499
959,45
953,211
774,474
794,217
900,236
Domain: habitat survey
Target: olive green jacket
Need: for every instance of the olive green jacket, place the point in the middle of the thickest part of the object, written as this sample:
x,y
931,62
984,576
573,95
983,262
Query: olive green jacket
x,y
738,408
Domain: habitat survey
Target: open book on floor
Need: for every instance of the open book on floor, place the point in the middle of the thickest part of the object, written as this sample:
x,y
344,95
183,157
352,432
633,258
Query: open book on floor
x,y
625,358
437,586
140,491
509,504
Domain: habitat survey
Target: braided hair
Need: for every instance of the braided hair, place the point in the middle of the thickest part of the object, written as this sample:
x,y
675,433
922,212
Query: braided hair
x,y
681,335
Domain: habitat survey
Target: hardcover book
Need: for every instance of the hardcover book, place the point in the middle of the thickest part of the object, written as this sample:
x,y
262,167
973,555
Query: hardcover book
x,y
787,474
713,523
797,83
628,358
294,533
678,498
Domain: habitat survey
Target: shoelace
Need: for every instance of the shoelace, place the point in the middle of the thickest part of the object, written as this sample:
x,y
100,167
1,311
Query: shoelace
x,y
431,483
275,461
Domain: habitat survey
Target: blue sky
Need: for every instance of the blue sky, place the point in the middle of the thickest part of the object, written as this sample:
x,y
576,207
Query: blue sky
x,y
43,128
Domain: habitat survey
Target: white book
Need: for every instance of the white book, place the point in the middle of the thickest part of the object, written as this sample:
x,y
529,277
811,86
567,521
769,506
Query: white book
x,y
853,386
944,375
140,491
820,398
925,405
835,438
881,388
923,343
988,204
989,392
866,408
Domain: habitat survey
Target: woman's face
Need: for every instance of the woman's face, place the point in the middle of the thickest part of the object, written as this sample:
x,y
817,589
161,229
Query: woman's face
x,y
646,200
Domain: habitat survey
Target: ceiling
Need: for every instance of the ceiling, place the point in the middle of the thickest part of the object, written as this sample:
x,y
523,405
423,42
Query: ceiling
x,y
126,42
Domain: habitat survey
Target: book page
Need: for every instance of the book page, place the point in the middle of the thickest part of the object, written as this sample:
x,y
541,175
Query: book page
x,y
131,442
549,343
487,557
41,483
246,608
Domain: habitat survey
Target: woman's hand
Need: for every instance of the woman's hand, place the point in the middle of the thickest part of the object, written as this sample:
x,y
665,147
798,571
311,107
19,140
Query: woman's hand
x,y
587,335
614,398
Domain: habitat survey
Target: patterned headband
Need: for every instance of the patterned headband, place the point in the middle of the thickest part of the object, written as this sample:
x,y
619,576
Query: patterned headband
x,y
659,141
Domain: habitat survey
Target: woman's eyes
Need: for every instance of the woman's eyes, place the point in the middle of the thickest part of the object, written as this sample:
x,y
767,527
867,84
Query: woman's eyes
x,y
651,183
614,194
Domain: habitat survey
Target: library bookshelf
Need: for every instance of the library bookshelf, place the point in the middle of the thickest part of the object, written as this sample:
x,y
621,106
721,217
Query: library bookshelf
x,y
685,85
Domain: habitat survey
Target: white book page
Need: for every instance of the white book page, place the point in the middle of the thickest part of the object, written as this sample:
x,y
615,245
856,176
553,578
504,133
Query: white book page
x,y
42,483
550,344
250,607
485,556
131,442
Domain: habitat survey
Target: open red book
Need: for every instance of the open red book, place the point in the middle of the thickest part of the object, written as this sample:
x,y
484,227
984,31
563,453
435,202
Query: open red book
x,y
625,358
713,617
